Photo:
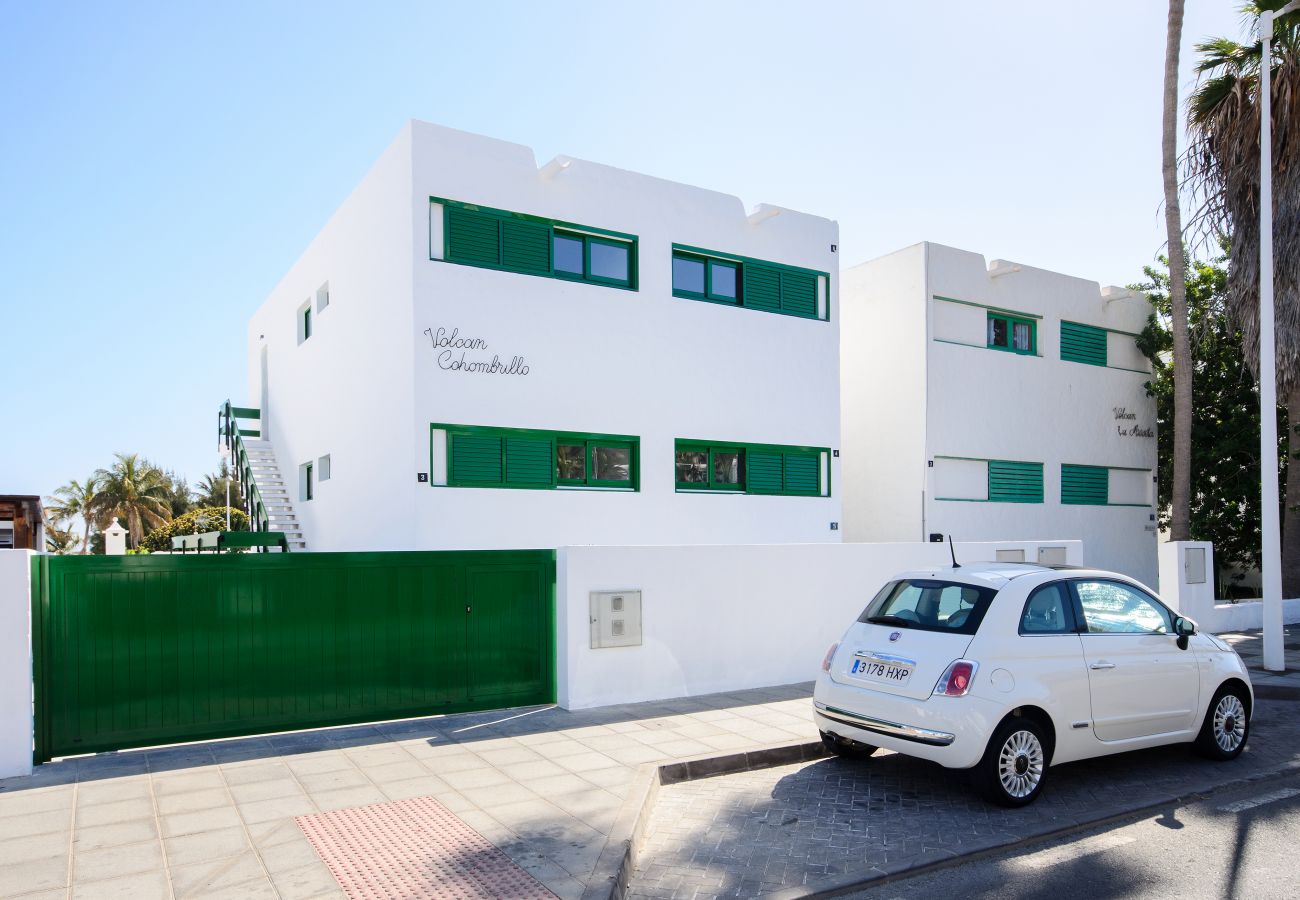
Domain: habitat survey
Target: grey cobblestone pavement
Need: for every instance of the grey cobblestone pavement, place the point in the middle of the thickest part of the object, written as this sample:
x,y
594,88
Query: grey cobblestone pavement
x,y
758,832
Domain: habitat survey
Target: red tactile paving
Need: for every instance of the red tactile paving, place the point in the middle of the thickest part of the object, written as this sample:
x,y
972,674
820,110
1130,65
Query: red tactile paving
x,y
414,849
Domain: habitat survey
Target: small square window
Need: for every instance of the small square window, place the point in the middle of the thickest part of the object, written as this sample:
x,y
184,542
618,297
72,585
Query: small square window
x,y
323,464
322,296
726,468
997,332
305,477
568,254
693,467
612,464
572,462
608,260
722,281
304,321
688,275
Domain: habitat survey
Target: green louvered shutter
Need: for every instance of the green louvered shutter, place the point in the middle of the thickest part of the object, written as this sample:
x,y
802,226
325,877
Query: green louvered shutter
x,y
799,294
473,238
526,247
801,473
1015,482
762,287
1083,344
1085,485
529,461
475,459
763,473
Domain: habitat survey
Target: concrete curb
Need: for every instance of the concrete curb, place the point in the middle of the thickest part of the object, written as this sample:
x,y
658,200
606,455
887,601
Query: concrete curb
x,y
622,851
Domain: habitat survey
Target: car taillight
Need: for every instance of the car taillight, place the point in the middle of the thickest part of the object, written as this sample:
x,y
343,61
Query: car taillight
x,y
830,654
955,680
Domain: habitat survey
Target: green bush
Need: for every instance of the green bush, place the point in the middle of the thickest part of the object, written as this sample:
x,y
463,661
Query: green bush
x,y
201,520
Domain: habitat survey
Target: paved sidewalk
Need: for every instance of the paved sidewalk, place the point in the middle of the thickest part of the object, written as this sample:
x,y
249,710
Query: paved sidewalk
x,y
1250,647
217,819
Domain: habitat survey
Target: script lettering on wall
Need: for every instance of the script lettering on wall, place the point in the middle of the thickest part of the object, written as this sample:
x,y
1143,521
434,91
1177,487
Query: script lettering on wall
x,y
453,355
1126,424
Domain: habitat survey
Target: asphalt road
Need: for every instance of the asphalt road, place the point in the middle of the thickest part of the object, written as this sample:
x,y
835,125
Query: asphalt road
x,y
1236,843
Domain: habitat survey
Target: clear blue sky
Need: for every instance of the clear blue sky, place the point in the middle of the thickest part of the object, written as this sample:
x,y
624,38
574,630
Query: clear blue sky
x,y
162,165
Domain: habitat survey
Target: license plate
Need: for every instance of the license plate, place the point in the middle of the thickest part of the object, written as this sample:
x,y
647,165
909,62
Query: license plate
x,y
886,671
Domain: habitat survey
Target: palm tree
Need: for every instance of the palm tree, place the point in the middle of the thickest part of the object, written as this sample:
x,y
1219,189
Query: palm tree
x,y
136,493
1180,517
59,541
1223,168
211,491
76,498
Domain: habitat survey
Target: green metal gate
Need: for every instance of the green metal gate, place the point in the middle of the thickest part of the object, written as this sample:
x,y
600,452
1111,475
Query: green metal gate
x,y
134,651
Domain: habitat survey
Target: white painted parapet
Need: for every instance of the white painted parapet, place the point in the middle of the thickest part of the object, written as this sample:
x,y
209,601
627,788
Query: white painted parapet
x,y
15,663
115,539
729,617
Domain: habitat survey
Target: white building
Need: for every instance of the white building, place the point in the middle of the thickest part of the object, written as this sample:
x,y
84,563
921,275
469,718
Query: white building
x,y
993,403
478,352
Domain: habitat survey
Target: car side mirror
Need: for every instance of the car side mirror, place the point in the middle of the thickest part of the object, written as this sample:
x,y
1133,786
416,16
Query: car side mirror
x,y
1184,628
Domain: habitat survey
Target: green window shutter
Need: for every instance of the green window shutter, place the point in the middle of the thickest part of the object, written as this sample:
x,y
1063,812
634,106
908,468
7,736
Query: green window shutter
x,y
801,473
762,287
1083,344
475,459
763,474
529,461
473,237
1085,485
799,294
1015,482
526,247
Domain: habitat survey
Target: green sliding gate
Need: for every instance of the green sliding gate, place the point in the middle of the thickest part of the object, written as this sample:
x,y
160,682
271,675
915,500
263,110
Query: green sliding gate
x,y
132,651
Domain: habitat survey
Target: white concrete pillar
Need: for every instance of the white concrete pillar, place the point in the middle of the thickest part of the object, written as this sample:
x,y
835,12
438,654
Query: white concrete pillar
x,y
1187,580
15,662
115,539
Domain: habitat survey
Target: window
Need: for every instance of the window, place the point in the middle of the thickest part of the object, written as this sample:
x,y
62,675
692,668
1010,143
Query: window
x,y
930,605
1112,608
735,280
1083,344
1048,611
474,456
1015,482
1007,332
322,296
304,322
752,468
1085,485
514,242
305,473
324,467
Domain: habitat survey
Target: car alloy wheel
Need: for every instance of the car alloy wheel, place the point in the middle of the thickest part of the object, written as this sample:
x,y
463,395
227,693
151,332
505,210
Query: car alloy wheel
x,y
1229,723
1020,764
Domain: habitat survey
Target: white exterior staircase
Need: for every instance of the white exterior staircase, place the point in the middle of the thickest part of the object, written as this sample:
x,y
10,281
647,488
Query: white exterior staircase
x,y
274,491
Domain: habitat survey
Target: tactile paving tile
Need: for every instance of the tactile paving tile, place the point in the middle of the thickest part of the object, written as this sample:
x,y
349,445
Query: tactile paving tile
x,y
414,848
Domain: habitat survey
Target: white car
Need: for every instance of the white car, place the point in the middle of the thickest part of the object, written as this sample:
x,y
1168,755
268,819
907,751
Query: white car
x,y
1006,669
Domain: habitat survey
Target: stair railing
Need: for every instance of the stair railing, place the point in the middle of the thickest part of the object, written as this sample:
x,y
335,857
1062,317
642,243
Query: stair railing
x,y
232,438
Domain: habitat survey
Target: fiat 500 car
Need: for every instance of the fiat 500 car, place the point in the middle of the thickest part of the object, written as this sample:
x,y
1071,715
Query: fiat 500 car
x,y
1008,669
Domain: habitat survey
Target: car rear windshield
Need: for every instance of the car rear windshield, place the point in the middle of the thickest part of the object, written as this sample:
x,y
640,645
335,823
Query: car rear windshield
x,y
930,605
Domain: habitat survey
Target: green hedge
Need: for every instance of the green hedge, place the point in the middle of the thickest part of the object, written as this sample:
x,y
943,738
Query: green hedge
x,y
203,519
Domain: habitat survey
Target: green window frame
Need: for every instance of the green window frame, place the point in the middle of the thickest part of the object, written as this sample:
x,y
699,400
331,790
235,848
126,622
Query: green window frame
x,y
754,284
1015,481
774,469
536,459
1007,342
1085,485
489,238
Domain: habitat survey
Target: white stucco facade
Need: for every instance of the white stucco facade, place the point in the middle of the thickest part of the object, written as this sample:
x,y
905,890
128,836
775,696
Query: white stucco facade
x,y
380,368
941,427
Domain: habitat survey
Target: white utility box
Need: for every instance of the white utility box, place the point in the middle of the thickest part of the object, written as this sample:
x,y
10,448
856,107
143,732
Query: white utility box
x,y
615,619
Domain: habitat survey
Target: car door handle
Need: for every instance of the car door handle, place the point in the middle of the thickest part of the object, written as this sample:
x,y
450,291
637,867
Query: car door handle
x,y
1102,665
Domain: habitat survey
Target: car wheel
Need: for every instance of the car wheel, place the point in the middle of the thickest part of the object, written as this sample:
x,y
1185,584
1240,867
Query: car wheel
x,y
845,747
1013,768
1226,726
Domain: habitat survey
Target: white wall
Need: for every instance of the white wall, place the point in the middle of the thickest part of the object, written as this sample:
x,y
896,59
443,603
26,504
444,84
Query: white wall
x,y
346,391
15,663
609,361
727,618
882,352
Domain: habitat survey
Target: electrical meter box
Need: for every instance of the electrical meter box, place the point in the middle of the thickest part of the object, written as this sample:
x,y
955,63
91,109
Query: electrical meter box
x,y
615,619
